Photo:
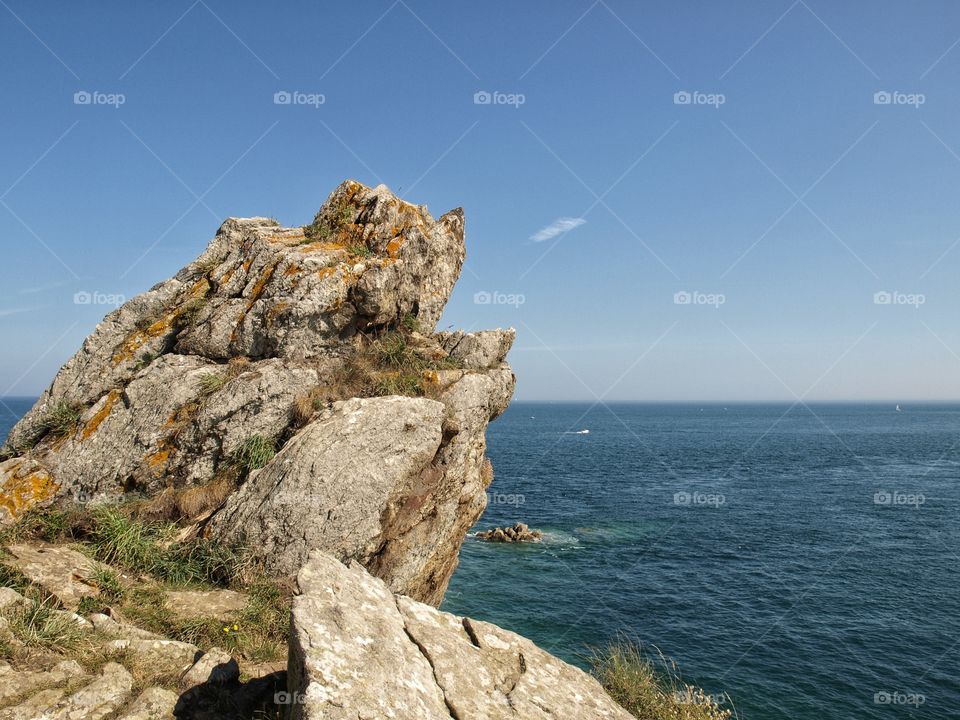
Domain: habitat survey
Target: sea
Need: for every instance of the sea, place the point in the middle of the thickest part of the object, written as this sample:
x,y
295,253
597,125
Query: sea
x,y
801,562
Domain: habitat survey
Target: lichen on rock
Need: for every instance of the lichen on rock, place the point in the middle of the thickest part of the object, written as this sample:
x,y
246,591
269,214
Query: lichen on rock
x,y
257,339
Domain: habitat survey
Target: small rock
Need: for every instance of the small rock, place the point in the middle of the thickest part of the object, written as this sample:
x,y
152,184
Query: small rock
x,y
59,570
16,684
217,667
221,605
171,654
100,698
34,705
10,597
153,704
519,533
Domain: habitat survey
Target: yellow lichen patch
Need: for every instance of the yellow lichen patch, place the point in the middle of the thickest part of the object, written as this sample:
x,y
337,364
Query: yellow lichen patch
x,y
326,271
93,423
200,289
133,343
157,460
225,278
393,247
21,492
261,283
291,270
320,245
246,264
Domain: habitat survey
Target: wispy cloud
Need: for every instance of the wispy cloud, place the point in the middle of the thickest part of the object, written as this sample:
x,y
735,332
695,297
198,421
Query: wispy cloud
x,y
557,227
44,288
4,312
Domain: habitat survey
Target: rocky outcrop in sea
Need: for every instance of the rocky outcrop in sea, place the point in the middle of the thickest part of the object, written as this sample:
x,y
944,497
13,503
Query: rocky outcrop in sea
x,y
286,393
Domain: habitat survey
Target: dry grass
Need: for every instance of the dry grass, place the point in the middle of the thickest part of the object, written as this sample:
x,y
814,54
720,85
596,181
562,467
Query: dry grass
x,y
649,686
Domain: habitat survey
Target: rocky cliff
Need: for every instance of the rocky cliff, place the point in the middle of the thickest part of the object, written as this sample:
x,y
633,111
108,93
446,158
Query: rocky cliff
x,y
287,392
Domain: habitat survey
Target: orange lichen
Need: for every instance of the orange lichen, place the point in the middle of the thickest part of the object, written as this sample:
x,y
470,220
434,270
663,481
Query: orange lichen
x,y
225,278
93,423
393,247
21,492
275,311
326,271
157,460
139,338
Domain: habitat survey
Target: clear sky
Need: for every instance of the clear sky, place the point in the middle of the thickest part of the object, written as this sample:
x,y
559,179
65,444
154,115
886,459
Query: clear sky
x,y
778,192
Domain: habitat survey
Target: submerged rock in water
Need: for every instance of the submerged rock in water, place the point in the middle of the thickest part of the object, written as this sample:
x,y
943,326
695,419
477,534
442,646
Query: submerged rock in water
x,y
287,383
519,533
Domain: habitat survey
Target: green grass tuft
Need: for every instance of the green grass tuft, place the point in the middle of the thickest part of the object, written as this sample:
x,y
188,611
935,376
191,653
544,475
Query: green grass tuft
x,y
38,624
255,452
649,687
212,382
62,418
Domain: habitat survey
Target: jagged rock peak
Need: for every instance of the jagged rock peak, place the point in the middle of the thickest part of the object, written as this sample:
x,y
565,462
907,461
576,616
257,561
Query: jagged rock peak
x,y
259,392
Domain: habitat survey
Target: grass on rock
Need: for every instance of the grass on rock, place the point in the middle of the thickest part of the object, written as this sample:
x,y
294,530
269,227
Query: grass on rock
x,y
62,418
255,452
649,686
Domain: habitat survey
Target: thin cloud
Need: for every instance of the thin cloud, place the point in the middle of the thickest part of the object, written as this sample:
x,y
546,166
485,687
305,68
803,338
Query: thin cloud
x,y
557,227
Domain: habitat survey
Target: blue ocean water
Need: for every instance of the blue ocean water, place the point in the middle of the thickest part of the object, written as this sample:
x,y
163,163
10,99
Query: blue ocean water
x,y
804,561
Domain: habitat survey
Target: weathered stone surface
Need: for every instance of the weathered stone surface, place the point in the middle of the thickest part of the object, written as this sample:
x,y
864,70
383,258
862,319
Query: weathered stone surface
x,y
171,655
172,384
15,684
100,698
478,350
216,666
349,653
62,572
222,605
10,597
359,651
152,704
33,707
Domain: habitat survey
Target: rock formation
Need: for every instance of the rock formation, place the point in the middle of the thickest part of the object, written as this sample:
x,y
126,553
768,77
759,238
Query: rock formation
x,y
285,393
259,347
519,533
350,634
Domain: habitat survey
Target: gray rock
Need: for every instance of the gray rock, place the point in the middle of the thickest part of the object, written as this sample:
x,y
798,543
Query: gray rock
x,y
62,572
216,666
100,698
223,605
478,350
357,650
169,655
152,704
14,684
170,385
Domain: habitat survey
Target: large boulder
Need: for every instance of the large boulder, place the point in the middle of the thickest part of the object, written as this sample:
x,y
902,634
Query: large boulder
x,y
359,650
165,396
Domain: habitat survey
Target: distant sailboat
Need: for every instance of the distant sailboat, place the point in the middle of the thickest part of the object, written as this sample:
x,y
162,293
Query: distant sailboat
x,y
898,408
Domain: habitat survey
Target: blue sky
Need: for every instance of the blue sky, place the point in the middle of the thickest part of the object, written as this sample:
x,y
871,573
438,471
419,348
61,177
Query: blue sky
x,y
780,199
